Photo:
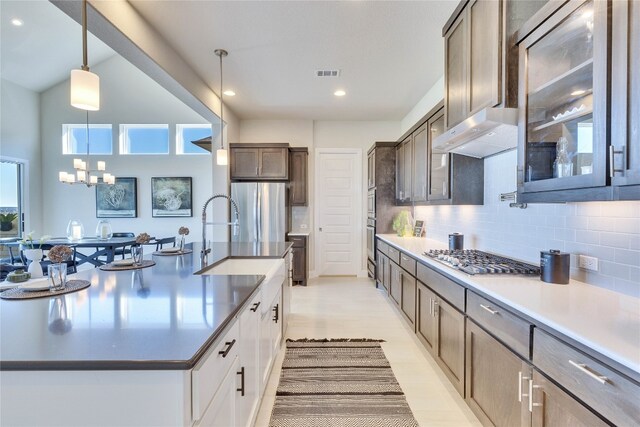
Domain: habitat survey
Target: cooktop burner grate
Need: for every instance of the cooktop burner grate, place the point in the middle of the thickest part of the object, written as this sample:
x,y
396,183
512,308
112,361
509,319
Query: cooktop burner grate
x,y
472,261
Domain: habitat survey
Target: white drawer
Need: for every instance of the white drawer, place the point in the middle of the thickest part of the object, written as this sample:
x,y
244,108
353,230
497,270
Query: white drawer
x,y
208,375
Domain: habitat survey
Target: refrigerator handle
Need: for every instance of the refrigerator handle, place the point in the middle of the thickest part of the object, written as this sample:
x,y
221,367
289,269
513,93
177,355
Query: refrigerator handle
x,y
259,215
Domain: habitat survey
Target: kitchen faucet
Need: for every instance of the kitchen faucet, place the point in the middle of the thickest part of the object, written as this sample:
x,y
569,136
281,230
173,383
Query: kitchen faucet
x,y
235,224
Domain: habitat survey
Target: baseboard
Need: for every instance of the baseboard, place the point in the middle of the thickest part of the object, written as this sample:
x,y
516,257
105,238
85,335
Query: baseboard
x,y
312,274
363,274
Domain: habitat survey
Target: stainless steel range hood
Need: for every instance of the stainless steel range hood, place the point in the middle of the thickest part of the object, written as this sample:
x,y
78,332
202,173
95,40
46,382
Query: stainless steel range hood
x,y
489,131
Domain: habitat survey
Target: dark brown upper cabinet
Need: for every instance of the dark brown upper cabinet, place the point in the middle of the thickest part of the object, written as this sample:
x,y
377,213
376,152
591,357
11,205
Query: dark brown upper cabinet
x,y
624,154
263,162
564,113
426,176
404,171
298,171
420,165
481,60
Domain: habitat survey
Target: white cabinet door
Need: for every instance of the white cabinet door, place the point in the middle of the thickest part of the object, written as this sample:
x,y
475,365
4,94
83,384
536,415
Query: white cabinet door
x,y
276,325
266,349
249,378
221,412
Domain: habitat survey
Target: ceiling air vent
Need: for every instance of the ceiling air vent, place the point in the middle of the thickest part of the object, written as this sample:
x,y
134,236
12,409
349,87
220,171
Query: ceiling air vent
x,y
327,73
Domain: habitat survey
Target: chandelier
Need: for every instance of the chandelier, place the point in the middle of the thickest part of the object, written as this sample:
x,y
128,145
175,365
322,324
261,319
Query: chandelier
x,y
85,95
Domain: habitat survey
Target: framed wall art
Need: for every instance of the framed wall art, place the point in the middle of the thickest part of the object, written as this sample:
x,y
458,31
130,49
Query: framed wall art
x,y
171,197
118,200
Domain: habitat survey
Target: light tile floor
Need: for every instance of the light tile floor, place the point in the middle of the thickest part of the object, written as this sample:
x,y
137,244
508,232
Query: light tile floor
x,y
345,307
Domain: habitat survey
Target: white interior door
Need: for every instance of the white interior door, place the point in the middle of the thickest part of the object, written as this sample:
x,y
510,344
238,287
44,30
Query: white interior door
x,y
338,206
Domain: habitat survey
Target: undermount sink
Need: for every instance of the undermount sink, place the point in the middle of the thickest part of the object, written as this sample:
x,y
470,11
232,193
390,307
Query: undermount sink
x,y
240,266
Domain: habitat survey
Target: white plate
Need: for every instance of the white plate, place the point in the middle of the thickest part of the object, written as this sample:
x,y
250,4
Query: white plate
x,y
35,287
170,250
122,262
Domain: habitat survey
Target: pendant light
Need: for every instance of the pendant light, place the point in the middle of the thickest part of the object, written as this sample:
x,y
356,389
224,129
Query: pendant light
x,y
85,85
221,153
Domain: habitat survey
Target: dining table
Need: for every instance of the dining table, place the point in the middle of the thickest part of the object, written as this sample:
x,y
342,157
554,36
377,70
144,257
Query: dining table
x,y
102,247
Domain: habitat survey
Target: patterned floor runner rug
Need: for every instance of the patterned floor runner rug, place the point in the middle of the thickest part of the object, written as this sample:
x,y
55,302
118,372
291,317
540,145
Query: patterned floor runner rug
x,y
339,382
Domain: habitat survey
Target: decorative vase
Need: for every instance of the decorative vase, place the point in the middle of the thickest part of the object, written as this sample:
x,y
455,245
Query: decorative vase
x,y
34,256
104,230
57,276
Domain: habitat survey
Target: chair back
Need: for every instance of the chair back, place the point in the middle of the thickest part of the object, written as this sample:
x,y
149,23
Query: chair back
x,y
164,241
123,234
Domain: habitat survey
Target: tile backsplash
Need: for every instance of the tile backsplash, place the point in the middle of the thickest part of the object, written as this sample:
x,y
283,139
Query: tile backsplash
x,y
609,231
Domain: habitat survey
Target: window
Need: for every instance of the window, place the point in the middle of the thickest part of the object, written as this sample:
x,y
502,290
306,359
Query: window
x,y
144,139
187,133
11,187
74,139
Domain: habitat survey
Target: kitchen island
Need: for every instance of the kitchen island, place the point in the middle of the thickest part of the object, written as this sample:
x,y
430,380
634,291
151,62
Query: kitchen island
x,y
130,348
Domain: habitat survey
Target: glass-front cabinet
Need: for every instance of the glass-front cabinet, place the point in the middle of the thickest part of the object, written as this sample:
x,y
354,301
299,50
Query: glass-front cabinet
x,y
438,160
563,100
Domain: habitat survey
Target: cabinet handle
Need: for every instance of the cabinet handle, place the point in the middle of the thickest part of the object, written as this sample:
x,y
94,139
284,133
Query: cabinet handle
x,y
520,394
585,369
431,306
435,308
612,163
228,349
257,171
255,306
241,389
404,258
531,387
489,309
276,313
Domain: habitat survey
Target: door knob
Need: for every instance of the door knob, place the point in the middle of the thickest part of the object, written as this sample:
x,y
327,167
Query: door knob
x,y
319,228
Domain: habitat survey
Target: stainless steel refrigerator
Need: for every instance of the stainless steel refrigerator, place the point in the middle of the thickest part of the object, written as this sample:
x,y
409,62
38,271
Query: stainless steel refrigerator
x,y
263,211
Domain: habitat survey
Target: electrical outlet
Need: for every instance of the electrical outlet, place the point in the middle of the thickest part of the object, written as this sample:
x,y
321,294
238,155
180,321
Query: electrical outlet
x,y
588,262
303,226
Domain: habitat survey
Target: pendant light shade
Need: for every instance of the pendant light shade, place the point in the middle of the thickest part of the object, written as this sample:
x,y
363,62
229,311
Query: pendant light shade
x,y
85,90
85,86
221,157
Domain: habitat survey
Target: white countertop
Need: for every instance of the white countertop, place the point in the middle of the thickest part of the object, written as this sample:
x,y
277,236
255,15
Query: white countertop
x,y
605,321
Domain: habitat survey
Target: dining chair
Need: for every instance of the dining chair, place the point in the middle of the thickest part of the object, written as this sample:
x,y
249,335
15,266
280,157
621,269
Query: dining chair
x,y
126,250
164,241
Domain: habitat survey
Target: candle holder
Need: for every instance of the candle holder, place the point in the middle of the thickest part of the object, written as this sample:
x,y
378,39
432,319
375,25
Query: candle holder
x,y
75,230
104,230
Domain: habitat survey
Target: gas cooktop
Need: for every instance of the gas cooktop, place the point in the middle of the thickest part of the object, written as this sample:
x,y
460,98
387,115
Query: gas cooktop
x,y
472,261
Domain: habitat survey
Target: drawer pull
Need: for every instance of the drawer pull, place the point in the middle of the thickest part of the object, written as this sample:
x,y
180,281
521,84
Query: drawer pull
x,y
276,313
584,369
404,258
489,309
226,351
256,305
531,387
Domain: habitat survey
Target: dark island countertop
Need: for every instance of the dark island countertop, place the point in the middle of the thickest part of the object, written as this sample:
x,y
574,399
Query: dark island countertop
x,y
162,317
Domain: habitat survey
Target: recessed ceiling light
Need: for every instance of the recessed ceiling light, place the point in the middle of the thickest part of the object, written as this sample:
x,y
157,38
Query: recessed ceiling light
x,y
17,22
577,92
339,93
229,93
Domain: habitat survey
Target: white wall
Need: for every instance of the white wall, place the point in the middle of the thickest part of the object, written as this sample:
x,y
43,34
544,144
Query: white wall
x,y
20,139
128,96
428,101
320,134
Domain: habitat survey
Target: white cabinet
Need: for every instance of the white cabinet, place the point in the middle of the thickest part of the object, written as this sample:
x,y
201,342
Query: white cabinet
x,y
270,336
210,372
248,395
221,412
